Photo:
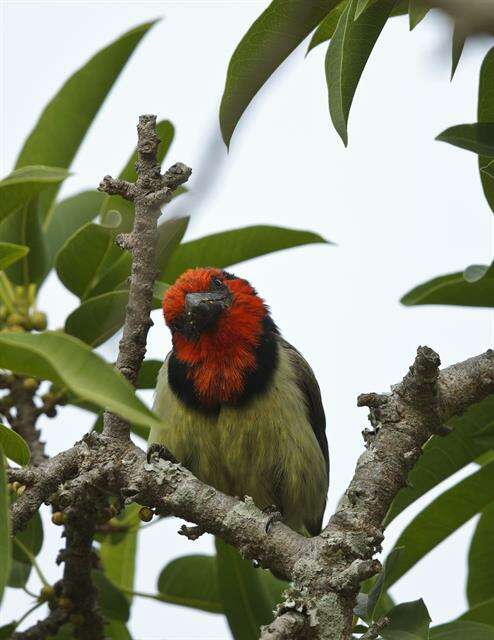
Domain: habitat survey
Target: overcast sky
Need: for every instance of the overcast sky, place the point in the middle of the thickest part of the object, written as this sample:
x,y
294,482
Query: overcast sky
x,y
401,207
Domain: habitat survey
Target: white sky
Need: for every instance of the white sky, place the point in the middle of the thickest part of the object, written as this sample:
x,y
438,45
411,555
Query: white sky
x,y
401,207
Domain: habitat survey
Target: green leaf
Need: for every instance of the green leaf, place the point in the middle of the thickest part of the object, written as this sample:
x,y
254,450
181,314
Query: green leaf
x,y
23,228
488,169
118,552
30,538
347,55
417,11
5,542
441,518
485,113
326,28
19,574
482,612
68,216
24,184
362,5
10,253
159,290
7,630
82,259
191,581
14,446
477,137
457,46
270,39
247,601
98,318
117,630
68,362
231,247
62,126
480,583
444,456
148,374
367,603
408,621
456,289
462,631
113,603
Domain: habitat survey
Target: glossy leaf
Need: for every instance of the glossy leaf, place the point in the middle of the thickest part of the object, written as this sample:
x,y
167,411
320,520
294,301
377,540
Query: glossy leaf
x,y
326,28
444,456
14,446
247,601
361,6
24,228
24,184
270,39
191,581
480,583
417,11
231,247
76,105
118,551
441,518
98,319
485,113
482,612
347,55
68,216
460,630
455,289
488,169
408,621
5,541
457,46
82,259
113,603
477,137
30,538
69,362
10,253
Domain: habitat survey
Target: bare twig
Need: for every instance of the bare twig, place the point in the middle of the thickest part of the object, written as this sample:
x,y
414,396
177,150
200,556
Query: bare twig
x,y
148,194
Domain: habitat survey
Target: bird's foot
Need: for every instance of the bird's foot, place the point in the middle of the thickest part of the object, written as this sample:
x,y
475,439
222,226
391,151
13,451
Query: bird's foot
x,y
273,514
192,533
156,450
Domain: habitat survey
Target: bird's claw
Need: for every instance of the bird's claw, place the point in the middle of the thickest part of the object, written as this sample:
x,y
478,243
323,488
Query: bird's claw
x,y
274,515
159,451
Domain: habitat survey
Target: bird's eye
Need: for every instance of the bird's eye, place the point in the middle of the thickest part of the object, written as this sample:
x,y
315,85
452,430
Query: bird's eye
x,y
216,283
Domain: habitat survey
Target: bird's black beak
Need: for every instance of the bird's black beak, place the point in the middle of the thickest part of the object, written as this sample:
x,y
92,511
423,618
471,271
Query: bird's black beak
x,y
203,309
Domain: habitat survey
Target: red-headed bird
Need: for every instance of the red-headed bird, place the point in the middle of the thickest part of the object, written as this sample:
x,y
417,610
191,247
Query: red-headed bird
x,y
241,408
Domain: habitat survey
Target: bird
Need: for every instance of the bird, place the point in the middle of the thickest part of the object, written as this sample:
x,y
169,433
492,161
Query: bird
x,y
238,405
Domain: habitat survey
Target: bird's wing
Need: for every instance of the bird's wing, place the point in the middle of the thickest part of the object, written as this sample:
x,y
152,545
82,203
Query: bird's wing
x,y
310,388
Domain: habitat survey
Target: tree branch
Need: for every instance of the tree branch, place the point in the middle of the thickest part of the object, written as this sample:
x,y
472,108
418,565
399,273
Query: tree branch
x,y
149,192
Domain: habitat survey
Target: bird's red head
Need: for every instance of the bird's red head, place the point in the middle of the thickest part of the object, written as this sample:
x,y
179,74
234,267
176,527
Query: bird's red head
x,y
216,320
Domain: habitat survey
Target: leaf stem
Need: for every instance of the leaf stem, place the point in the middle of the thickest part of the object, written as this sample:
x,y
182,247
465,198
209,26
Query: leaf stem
x,y
6,292
29,612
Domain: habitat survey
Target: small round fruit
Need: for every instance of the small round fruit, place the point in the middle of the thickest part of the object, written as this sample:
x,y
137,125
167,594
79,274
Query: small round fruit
x,y
46,593
65,603
16,486
146,514
58,518
15,319
39,321
21,489
31,384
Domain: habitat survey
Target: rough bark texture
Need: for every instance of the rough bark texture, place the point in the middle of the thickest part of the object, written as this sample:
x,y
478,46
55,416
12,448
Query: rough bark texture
x,y
325,571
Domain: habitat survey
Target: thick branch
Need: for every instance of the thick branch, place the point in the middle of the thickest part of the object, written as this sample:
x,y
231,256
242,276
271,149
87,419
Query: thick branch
x,y
43,628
